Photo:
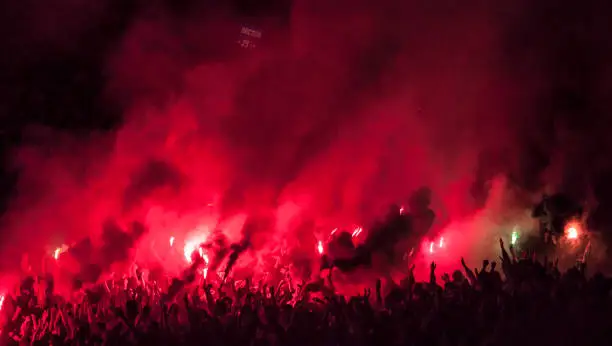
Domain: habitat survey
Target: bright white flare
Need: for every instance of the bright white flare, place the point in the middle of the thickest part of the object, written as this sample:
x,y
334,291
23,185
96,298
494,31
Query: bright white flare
x,y
192,245
320,247
56,253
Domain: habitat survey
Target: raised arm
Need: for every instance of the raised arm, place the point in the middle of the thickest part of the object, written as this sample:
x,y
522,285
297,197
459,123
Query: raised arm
x,y
468,272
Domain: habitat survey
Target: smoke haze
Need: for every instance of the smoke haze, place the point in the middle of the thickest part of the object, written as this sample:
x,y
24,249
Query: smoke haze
x,y
347,109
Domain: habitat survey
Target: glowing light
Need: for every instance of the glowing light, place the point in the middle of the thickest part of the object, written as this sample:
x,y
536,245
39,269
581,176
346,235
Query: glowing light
x,y
514,237
171,241
56,253
431,247
441,242
1,301
320,247
357,231
206,261
402,210
188,251
334,231
193,245
573,230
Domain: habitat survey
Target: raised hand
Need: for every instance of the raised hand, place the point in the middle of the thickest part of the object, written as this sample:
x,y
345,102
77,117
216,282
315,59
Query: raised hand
x,y
493,266
367,293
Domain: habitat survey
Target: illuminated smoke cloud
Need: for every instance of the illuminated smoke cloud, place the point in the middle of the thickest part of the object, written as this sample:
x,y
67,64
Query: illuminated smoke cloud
x,y
347,119
115,248
153,175
347,109
117,242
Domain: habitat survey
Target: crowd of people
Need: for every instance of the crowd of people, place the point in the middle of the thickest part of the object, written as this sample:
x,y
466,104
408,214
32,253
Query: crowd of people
x,y
512,300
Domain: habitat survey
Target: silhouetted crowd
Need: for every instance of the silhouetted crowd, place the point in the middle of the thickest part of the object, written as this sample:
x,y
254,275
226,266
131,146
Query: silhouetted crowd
x,y
511,301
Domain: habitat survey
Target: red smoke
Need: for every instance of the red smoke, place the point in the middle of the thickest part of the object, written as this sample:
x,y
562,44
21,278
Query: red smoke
x,y
348,110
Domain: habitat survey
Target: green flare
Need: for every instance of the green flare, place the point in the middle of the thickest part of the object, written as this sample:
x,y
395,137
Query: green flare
x,y
514,238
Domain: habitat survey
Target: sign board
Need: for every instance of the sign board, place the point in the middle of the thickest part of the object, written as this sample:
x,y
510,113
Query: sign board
x,y
249,37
